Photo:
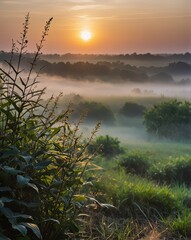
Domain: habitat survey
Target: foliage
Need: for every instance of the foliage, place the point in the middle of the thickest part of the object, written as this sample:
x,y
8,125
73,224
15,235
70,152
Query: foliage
x,y
135,162
138,197
42,159
181,224
106,145
174,170
169,119
95,112
132,110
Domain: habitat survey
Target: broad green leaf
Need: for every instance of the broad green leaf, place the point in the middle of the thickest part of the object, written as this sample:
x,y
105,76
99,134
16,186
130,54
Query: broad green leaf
x,y
42,165
34,228
6,212
12,151
11,170
19,215
27,158
22,180
21,228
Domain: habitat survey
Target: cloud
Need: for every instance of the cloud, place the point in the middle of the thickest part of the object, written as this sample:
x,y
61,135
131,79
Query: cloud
x,y
88,17
89,6
81,1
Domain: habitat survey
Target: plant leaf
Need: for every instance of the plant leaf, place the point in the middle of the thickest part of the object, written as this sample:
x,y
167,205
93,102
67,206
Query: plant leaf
x,y
11,170
52,220
33,186
22,180
21,228
42,165
34,228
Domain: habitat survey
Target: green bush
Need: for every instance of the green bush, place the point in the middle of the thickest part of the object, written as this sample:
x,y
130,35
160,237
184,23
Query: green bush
x,y
95,112
169,119
135,162
107,146
174,170
42,158
132,110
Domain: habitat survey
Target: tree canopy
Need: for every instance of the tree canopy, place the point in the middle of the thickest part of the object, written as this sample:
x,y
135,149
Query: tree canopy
x,y
170,119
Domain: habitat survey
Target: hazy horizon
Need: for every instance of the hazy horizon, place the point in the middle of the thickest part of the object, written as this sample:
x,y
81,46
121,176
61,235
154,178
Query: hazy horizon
x,y
115,26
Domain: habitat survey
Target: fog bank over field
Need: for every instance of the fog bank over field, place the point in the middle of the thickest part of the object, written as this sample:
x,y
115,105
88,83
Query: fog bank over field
x,y
128,134
55,85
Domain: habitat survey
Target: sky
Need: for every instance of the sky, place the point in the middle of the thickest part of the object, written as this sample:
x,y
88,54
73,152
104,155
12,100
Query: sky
x,y
117,26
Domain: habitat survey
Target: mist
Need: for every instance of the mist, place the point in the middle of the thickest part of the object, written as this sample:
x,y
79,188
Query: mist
x,y
55,85
110,81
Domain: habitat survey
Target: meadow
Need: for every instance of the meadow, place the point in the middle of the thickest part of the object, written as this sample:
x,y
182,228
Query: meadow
x,y
87,164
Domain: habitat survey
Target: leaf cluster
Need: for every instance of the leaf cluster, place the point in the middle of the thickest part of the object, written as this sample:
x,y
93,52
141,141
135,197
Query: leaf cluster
x,y
42,157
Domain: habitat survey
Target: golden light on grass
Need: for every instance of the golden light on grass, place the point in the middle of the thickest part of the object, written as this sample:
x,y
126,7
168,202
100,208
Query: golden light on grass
x,y
86,35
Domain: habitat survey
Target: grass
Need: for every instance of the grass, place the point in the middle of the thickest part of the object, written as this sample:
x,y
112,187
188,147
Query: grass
x,y
158,209
160,150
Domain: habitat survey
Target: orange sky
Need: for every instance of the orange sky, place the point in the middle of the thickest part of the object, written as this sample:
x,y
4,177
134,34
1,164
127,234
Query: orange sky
x,y
117,26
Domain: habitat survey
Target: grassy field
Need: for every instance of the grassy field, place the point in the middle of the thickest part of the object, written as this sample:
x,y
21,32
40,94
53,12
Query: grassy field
x,y
146,206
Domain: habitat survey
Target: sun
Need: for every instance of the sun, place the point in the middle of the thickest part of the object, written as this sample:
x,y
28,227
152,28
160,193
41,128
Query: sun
x,y
86,35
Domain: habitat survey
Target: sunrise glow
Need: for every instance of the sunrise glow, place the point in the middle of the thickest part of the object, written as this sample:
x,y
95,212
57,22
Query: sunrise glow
x,y
94,26
86,35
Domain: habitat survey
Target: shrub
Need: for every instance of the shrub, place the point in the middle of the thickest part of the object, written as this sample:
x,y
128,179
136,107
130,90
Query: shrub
x,y
132,110
95,112
135,162
174,170
169,119
107,146
42,159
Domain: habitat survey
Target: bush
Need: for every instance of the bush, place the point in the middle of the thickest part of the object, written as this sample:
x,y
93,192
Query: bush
x,y
175,170
42,159
169,119
132,110
95,112
135,162
106,146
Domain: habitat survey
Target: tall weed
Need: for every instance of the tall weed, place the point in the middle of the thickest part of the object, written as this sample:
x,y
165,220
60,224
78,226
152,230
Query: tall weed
x,y
42,157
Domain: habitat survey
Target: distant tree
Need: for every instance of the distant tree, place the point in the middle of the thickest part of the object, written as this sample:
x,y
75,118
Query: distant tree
x,y
95,112
132,110
162,77
169,119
